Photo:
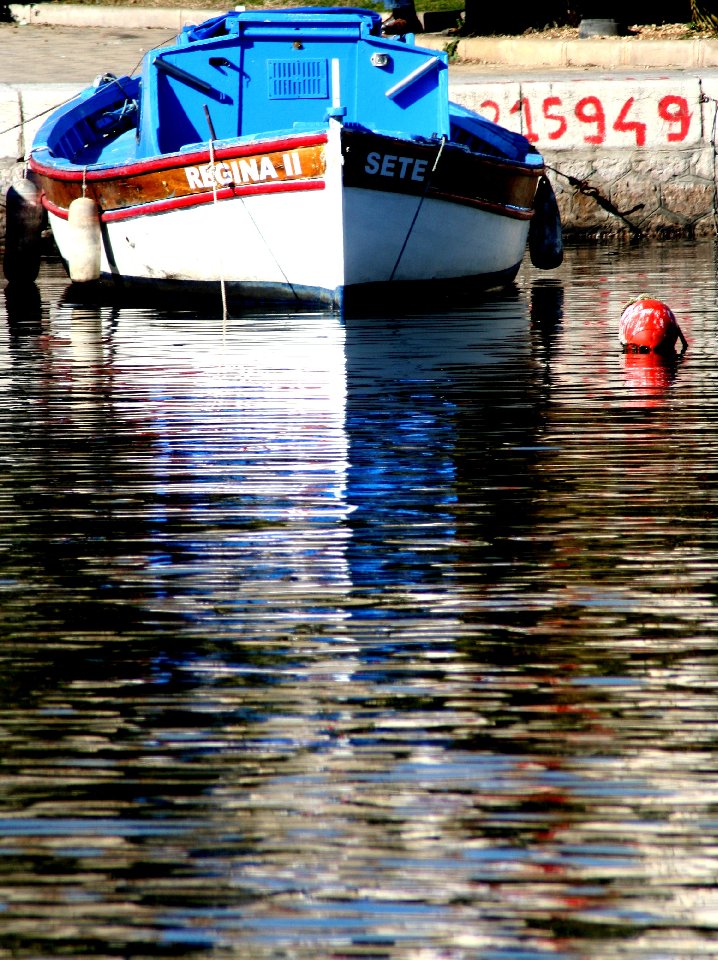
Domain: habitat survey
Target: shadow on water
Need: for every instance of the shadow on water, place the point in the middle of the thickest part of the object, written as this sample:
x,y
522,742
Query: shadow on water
x,y
385,636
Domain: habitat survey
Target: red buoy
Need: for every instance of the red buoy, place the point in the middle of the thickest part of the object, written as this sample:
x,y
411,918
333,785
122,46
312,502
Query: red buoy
x,y
649,325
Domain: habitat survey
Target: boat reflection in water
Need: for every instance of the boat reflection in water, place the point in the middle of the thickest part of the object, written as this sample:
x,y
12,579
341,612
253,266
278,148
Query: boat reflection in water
x,y
386,635
265,450
234,451
252,537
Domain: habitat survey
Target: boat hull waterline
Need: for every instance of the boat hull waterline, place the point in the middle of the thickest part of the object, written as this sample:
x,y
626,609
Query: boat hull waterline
x,y
306,213
277,220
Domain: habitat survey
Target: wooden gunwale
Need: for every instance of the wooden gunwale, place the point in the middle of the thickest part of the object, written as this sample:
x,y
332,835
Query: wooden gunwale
x,y
184,180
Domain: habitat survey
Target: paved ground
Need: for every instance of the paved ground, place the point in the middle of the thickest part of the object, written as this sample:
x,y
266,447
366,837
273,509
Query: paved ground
x,y
50,54
53,54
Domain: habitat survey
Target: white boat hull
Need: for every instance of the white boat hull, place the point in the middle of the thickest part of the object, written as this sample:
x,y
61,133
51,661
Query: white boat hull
x,y
298,237
394,237
262,242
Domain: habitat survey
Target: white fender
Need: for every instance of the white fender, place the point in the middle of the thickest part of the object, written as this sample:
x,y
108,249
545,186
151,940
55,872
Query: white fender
x,y
84,240
24,217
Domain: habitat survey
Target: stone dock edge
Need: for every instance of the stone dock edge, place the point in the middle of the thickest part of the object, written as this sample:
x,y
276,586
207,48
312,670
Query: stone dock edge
x,y
627,128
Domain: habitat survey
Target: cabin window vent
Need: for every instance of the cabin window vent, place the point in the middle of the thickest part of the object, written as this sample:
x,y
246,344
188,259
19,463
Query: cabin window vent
x,y
297,79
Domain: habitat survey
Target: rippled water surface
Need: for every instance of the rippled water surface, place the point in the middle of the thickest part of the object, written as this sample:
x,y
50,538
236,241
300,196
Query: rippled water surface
x,y
392,636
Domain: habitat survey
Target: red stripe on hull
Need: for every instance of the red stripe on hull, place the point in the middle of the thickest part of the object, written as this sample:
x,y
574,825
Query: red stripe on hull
x,y
182,203
227,193
499,208
53,208
186,184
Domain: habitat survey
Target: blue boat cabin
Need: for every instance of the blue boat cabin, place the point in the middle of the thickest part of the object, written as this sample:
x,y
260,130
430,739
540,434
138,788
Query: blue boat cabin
x,y
257,73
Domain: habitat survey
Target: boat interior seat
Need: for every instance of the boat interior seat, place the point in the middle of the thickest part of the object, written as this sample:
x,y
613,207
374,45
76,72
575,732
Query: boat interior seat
x,y
96,119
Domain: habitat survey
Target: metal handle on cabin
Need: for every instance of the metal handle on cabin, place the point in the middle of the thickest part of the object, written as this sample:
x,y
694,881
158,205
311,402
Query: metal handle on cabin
x,y
412,77
178,73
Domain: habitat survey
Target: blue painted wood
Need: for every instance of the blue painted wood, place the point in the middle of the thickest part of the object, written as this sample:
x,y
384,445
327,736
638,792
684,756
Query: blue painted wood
x,y
257,73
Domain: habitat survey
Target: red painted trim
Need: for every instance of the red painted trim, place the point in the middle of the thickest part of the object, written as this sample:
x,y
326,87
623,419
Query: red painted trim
x,y
198,199
53,208
178,160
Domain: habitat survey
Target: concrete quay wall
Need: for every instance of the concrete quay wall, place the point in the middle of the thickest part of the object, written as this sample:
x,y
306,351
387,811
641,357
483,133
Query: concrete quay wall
x,y
627,155
23,108
119,17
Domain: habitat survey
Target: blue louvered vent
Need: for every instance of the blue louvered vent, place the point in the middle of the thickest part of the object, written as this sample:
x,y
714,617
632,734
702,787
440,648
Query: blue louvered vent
x,y
297,79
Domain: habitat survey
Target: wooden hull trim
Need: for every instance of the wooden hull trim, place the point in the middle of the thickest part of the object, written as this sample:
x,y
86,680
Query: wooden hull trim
x,y
370,161
185,183
228,193
442,171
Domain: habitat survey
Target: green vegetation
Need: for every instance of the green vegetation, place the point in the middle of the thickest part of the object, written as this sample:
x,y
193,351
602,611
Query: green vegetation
x,y
705,13
424,5
482,18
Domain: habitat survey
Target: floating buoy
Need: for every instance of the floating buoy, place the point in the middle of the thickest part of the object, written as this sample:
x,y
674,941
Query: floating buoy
x,y
545,233
24,216
84,240
649,325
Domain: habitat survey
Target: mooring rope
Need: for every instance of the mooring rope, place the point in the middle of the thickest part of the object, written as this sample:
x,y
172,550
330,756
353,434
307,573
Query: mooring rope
x,y
714,126
418,208
213,137
589,190
215,201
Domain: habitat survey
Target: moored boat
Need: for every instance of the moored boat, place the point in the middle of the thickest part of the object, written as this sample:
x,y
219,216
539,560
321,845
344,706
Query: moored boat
x,y
289,155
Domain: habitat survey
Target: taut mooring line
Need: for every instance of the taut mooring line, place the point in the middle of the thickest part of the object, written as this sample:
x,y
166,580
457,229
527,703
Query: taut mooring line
x,y
418,208
588,190
212,138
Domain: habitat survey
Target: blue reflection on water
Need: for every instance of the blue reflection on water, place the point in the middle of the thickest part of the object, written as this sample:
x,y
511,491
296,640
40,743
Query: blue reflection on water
x,y
375,636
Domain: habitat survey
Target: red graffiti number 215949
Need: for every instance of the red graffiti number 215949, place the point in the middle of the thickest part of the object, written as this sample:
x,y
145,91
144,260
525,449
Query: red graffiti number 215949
x,y
553,121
